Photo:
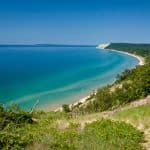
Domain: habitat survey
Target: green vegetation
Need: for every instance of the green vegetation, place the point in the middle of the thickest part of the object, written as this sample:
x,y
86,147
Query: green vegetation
x,y
129,86
138,116
68,130
139,49
109,135
11,121
66,108
56,131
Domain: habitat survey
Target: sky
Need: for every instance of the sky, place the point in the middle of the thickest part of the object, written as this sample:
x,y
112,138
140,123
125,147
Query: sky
x,y
74,21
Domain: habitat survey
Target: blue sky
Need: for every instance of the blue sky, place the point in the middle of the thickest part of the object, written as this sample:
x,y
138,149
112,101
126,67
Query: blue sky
x,y
74,21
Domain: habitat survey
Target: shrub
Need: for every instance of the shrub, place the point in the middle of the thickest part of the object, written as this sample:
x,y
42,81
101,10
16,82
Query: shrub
x,y
66,108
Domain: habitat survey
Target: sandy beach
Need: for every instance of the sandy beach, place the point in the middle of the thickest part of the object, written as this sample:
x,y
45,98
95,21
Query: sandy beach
x,y
140,59
103,46
82,100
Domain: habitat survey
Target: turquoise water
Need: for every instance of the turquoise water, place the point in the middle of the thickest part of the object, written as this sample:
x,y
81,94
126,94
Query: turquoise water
x,y
56,75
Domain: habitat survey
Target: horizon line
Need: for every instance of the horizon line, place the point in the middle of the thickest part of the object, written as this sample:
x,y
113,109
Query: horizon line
x,y
46,45
67,45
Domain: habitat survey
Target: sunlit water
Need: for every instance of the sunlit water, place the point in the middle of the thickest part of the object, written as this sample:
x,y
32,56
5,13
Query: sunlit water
x,y
56,75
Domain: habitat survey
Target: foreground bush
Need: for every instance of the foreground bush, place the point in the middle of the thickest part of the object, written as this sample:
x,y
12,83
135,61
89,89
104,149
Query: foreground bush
x,y
47,133
11,121
106,134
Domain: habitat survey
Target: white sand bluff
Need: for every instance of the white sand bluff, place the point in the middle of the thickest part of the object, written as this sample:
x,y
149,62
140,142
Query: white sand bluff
x,y
103,46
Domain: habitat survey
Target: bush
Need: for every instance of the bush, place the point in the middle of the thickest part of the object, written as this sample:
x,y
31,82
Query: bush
x,y
66,108
106,134
11,120
130,86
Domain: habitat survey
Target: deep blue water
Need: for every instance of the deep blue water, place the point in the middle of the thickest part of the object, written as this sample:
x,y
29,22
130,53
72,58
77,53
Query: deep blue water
x,y
56,75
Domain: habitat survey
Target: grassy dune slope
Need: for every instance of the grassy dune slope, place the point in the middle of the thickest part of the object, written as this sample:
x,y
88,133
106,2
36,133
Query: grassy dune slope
x,y
117,118
114,130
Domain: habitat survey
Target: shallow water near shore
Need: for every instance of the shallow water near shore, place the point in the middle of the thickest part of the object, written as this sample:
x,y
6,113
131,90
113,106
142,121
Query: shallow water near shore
x,y
56,75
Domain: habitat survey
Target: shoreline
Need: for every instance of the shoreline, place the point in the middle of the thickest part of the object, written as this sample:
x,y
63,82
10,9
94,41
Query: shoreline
x,y
104,47
82,100
139,58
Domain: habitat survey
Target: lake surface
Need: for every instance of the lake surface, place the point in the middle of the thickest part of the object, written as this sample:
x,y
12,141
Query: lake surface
x,y
56,75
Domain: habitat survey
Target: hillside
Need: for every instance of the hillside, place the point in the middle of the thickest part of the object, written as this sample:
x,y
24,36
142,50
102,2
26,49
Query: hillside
x,y
139,49
116,118
58,130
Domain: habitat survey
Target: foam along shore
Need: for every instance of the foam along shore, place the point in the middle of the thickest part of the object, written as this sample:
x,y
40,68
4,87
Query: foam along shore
x,y
140,59
105,45
84,99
